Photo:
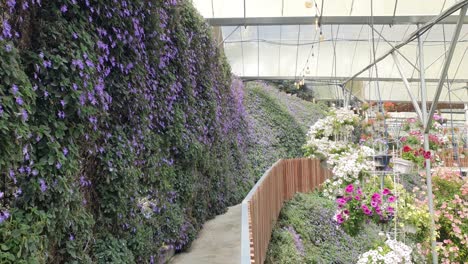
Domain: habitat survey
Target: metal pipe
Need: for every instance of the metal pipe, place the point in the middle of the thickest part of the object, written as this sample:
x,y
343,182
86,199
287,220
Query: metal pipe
x,y
414,35
426,148
446,67
408,88
391,45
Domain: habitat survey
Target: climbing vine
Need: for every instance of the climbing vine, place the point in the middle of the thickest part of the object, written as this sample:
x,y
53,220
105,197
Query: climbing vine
x,y
121,131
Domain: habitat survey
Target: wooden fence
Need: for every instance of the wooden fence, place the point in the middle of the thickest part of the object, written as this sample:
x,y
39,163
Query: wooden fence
x,y
261,207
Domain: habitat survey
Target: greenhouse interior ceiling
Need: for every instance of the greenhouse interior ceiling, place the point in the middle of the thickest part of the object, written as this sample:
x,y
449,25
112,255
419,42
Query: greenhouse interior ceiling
x,y
325,43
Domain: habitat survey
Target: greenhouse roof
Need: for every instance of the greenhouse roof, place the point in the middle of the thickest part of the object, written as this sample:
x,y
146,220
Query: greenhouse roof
x,y
279,39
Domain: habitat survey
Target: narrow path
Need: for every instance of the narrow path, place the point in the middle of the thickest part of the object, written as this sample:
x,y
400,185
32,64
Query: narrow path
x,y
219,242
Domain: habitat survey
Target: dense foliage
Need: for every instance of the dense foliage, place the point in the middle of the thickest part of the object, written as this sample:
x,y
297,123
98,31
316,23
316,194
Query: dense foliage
x,y
277,124
120,130
317,239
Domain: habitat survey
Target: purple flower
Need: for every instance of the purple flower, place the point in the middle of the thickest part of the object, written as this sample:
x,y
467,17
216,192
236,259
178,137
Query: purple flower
x,y
25,5
6,29
1,195
74,35
78,63
14,89
63,9
47,64
65,151
11,4
72,237
297,240
43,185
19,100
35,172
8,47
24,115
58,165
4,216
61,114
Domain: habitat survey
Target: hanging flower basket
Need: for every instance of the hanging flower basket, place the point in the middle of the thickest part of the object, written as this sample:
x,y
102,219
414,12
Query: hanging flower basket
x,y
402,165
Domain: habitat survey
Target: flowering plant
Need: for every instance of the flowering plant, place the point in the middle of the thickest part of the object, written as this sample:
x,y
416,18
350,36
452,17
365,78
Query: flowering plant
x,y
391,252
451,216
329,139
417,156
356,206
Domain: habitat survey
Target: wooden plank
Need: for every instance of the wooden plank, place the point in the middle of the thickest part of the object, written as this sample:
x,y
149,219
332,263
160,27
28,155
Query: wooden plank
x,y
282,181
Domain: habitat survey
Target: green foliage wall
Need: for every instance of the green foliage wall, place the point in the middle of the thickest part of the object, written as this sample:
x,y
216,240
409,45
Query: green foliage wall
x,y
121,131
277,125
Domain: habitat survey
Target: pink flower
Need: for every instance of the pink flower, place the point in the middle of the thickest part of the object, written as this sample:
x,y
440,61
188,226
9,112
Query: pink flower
x,y
349,188
403,139
378,210
339,219
391,199
411,120
357,197
386,191
366,209
359,191
376,197
390,209
427,154
346,212
374,204
341,201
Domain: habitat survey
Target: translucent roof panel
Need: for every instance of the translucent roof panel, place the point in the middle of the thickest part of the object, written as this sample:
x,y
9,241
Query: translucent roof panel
x,y
336,51
276,8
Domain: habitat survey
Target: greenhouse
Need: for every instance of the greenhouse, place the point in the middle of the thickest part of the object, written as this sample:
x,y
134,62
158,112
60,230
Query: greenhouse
x,y
240,131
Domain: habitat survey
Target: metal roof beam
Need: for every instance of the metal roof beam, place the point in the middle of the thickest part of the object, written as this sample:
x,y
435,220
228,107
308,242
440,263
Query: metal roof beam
x,y
328,20
420,31
341,79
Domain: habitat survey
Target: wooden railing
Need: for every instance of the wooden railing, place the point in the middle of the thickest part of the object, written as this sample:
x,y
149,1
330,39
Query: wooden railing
x,y
261,207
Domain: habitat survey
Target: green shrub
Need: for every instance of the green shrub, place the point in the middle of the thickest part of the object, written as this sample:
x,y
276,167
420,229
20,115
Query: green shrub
x,y
311,216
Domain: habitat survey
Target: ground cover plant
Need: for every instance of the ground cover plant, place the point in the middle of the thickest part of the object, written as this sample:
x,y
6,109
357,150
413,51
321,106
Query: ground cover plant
x,y
277,124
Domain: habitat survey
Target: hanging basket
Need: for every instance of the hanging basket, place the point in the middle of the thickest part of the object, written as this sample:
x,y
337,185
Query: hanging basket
x,y
402,166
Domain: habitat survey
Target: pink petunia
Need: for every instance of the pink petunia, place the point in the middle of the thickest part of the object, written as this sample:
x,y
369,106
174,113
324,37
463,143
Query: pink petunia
x,y
391,199
341,201
349,188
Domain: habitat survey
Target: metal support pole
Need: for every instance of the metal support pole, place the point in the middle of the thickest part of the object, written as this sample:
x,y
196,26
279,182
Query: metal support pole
x,y
426,148
446,67
408,88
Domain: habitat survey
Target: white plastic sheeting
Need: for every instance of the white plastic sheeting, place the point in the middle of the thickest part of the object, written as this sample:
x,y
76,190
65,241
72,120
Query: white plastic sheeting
x,y
297,51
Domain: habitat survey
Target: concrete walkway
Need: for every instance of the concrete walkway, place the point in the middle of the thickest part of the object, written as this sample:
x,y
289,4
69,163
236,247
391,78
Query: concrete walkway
x,y
219,242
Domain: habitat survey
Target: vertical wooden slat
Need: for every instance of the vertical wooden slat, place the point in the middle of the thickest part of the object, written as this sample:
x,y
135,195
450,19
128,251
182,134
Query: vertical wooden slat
x,y
280,183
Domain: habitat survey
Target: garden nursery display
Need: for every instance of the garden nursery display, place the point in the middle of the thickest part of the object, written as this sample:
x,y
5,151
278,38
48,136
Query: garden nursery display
x,y
364,216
